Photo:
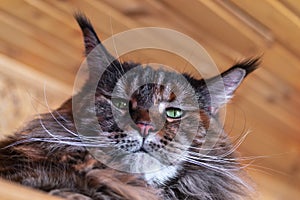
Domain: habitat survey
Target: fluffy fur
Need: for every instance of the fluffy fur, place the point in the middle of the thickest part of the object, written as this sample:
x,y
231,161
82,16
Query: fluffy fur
x,y
146,154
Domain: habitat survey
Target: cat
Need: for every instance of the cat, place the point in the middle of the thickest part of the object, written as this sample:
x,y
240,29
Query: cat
x,y
154,124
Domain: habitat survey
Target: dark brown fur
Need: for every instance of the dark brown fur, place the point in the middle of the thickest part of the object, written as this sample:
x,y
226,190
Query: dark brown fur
x,y
45,155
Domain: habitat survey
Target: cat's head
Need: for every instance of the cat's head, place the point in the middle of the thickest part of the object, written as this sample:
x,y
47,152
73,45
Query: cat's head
x,y
150,119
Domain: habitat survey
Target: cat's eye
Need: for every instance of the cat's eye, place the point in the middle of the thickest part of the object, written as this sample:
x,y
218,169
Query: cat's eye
x,y
174,113
120,103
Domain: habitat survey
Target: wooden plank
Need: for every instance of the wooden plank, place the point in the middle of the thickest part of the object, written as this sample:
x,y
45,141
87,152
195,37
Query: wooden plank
x,y
32,78
240,23
205,13
29,44
41,36
242,17
91,6
273,14
172,19
104,18
40,41
274,187
38,18
10,191
54,12
284,64
292,5
265,139
24,92
38,48
14,51
285,121
273,101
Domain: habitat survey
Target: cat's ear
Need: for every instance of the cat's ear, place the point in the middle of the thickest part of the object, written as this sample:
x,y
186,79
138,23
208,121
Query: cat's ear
x,y
220,89
95,52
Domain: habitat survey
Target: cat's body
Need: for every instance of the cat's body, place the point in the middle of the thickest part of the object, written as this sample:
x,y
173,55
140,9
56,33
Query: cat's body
x,y
151,134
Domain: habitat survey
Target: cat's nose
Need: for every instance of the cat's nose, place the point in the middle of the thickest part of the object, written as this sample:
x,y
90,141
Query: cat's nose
x,y
145,128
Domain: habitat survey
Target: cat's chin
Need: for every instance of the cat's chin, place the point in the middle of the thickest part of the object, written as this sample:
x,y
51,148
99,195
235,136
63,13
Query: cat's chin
x,y
141,162
153,171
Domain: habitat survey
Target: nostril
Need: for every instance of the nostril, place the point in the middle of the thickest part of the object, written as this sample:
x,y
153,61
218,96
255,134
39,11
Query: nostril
x,y
145,128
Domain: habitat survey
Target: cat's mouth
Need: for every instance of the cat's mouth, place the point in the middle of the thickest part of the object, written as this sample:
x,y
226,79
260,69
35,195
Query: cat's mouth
x,y
141,150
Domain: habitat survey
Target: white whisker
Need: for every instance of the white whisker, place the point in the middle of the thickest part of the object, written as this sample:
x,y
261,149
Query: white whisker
x,y
225,171
57,121
234,148
115,47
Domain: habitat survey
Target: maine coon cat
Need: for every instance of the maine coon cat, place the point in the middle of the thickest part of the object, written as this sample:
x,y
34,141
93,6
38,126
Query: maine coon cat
x,y
152,125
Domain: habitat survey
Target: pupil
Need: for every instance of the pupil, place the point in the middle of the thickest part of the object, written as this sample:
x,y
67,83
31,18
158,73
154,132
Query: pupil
x,y
176,113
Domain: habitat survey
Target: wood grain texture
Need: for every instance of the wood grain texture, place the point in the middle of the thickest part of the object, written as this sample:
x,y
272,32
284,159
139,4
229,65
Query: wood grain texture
x,y
40,41
11,191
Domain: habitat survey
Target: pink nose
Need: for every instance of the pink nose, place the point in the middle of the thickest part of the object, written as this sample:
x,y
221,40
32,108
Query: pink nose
x,y
145,129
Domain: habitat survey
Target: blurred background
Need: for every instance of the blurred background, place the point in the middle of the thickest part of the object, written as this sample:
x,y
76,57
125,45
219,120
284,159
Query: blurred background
x,y
41,49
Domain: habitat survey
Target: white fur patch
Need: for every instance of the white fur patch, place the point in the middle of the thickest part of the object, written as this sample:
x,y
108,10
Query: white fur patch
x,y
154,172
161,176
161,107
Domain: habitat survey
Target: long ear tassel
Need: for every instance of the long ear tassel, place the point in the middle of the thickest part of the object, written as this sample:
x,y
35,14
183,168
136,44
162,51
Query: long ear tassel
x,y
98,58
91,39
233,77
248,65
220,89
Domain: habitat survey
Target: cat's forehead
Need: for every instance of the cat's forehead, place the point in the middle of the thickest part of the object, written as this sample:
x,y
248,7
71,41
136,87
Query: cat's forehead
x,y
146,80
145,85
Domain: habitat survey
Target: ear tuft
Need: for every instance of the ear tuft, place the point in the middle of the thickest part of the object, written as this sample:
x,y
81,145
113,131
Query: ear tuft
x,y
248,65
91,39
233,77
220,89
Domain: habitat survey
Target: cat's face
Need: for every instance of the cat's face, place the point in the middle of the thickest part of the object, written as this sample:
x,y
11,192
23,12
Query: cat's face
x,y
152,117
150,120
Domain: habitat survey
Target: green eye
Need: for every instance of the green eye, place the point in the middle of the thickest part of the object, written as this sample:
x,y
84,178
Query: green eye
x,y
174,113
120,103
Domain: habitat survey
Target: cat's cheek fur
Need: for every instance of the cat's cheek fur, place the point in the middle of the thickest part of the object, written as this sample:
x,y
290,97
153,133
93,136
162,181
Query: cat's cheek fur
x,y
162,176
154,172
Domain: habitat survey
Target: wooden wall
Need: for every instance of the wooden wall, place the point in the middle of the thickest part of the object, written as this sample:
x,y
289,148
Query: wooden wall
x,y
41,49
